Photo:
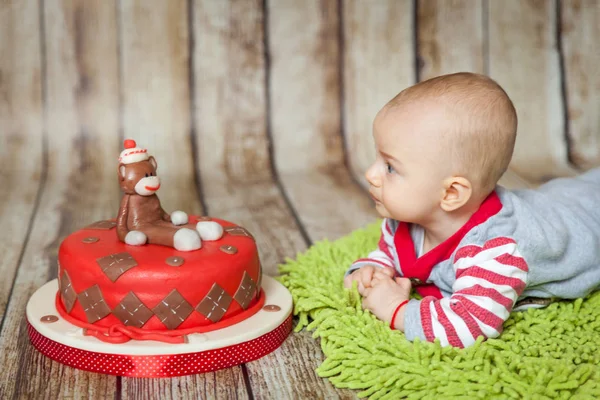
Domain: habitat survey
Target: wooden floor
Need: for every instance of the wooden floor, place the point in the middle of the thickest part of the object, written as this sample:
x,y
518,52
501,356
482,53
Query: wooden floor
x,y
257,112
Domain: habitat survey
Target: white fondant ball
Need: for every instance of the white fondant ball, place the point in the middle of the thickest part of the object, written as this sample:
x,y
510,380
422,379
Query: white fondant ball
x,y
179,218
209,230
135,238
186,240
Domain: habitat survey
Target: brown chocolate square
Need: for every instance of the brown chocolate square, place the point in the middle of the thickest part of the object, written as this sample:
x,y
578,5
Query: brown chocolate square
x,y
93,304
116,265
215,304
245,291
132,312
103,225
173,310
238,231
68,295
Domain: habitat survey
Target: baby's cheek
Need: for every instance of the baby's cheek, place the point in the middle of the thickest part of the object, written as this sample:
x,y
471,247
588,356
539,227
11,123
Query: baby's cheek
x,y
397,206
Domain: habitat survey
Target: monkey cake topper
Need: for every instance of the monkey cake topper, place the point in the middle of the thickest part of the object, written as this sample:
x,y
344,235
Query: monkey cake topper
x,y
142,219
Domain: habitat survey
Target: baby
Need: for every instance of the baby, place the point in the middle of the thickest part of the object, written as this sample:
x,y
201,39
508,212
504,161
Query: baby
x,y
470,248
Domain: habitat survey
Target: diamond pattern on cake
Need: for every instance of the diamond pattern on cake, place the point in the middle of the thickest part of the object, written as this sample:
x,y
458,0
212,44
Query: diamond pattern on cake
x,y
245,291
173,310
68,295
215,304
238,231
103,225
132,312
116,265
93,304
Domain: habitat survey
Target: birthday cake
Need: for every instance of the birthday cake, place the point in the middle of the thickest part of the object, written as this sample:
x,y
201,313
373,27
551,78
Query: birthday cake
x,y
147,277
118,292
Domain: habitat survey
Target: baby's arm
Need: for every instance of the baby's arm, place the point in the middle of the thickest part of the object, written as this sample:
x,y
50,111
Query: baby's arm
x,y
489,280
382,256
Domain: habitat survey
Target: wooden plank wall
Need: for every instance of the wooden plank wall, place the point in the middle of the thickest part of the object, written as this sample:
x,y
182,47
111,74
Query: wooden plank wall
x,y
579,30
260,112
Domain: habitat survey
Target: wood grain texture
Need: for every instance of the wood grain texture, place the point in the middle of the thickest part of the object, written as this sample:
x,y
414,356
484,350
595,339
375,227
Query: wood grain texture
x,y
223,384
156,94
329,204
21,127
580,30
81,136
450,37
237,184
524,59
378,62
229,74
308,146
231,126
305,84
293,366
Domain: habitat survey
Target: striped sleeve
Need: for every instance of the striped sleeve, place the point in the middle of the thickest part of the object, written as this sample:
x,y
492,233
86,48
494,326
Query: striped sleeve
x,y
489,280
383,255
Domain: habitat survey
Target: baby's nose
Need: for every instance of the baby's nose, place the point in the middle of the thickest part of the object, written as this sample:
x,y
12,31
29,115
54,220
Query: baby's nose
x,y
372,176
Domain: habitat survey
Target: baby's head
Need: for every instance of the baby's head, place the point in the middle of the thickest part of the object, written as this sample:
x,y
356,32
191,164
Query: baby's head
x,y
442,145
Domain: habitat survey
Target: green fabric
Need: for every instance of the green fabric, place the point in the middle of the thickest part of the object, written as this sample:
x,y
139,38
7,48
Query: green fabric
x,y
548,353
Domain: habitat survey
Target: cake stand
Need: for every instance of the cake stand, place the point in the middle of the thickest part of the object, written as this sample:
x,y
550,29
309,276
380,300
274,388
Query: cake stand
x,y
243,342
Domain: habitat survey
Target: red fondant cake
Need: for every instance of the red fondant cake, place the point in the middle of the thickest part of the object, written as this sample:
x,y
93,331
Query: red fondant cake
x,y
119,292
148,276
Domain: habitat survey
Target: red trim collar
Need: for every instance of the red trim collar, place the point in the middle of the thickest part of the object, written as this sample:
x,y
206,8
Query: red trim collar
x,y
420,268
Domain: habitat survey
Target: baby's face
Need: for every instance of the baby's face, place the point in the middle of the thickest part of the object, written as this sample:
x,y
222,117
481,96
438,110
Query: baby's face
x,y
406,179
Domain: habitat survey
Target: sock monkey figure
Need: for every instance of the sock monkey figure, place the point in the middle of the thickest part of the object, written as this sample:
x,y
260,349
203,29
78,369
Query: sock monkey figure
x,y
141,218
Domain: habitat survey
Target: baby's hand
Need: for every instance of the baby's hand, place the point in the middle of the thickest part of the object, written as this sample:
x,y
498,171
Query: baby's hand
x,y
364,276
384,295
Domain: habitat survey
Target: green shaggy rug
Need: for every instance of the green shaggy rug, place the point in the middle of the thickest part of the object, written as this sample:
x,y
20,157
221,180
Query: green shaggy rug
x,y
548,353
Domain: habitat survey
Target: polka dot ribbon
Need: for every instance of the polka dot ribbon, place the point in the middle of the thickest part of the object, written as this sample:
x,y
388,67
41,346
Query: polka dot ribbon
x,y
161,366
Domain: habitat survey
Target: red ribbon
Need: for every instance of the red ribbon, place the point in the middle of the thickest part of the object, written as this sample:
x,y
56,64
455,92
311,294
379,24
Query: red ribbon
x,y
165,365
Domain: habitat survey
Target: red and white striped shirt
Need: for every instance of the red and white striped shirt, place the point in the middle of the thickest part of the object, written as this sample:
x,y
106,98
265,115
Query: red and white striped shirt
x,y
489,280
480,284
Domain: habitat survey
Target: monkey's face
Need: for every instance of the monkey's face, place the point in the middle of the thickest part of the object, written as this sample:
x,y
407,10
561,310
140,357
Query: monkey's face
x,y
139,177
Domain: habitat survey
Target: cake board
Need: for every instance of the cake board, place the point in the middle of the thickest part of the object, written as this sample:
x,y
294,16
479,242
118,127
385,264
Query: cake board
x,y
243,342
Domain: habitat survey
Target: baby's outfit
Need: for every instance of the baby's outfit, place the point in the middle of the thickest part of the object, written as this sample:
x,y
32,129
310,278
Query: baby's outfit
x,y
542,243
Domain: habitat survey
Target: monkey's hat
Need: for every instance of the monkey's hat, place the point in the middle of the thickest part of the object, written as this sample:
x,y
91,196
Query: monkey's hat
x,y
132,153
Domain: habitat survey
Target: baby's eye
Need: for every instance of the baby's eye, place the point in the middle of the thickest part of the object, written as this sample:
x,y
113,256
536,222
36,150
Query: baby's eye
x,y
389,167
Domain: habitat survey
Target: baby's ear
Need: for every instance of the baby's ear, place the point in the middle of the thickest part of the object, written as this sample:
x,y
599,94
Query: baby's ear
x,y
121,171
457,193
152,161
